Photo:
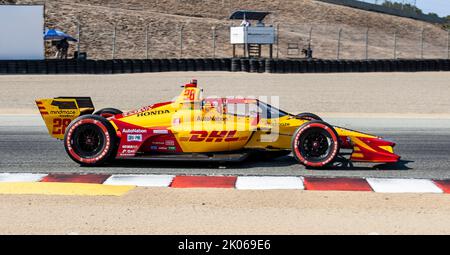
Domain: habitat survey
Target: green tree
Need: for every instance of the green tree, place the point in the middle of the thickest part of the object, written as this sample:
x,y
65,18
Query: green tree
x,y
403,7
447,24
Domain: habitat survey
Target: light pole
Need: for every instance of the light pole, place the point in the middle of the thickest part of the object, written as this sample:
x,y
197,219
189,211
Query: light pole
x,y
146,42
114,42
339,44
367,44
422,43
214,41
181,41
395,44
78,35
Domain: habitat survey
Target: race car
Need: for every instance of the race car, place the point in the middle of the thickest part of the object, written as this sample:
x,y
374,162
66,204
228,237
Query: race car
x,y
191,127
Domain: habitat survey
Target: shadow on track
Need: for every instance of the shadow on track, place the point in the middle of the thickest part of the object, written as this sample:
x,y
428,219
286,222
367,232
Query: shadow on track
x,y
349,166
284,161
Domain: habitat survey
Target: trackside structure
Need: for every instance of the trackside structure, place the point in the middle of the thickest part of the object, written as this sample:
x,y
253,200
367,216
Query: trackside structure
x,y
252,36
21,32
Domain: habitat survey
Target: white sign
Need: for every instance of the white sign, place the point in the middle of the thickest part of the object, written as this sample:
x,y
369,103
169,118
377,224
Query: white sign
x,y
21,32
256,35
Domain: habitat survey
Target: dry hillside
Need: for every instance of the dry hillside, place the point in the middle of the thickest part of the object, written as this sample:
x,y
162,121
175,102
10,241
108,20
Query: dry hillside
x,y
197,17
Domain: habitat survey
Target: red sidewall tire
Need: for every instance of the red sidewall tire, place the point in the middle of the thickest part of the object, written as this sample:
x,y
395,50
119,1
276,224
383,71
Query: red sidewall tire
x,y
324,126
109,145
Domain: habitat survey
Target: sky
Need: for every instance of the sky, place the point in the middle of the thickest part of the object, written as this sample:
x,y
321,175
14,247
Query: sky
x,y
441,7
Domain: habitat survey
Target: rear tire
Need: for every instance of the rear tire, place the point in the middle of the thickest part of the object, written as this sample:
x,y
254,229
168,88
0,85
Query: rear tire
x,y
90,140
315,144
108,112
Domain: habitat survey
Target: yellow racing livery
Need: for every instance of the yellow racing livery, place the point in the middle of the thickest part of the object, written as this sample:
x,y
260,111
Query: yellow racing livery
x,y
191,127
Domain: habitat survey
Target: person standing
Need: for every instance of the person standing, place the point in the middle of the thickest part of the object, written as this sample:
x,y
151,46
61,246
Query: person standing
x,y
64,48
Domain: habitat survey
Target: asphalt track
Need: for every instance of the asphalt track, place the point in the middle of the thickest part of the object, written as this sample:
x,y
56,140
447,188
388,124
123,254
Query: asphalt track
x,y
424,145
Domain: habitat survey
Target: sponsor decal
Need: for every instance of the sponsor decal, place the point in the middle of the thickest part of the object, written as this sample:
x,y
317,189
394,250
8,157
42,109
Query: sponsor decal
x,y
158,142
170,142
63,112
134,138
162,148
153,147
125,151
129,146
213,136
143,109
211,118
150,113
134,130
172,148
126,155
160,131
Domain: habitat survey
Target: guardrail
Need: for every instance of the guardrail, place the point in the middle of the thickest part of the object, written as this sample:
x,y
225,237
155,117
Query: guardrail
x,y
118,66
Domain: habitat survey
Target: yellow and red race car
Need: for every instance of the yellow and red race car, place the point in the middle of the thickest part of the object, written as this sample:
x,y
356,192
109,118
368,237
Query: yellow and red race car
x,y
191,127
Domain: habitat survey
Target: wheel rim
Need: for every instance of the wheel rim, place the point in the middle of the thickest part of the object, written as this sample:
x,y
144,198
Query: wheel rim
x,y
315,144
89,140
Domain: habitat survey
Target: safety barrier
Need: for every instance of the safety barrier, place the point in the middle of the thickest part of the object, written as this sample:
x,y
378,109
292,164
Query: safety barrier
x,y
117,66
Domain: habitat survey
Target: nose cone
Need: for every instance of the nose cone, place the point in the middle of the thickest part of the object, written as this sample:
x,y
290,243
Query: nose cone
x,y
374,150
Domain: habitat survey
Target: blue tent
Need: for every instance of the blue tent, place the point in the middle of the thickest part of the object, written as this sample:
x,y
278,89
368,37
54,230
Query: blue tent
x,y
54,34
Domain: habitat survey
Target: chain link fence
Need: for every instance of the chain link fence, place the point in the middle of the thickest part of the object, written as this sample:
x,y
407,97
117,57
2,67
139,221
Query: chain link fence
x,y
203,40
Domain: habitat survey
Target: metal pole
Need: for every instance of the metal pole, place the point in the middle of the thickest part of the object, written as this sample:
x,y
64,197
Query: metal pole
x,y
339,44
448,44
395,45
114,41
367,44
214,41
245,41
146,42
421,43
181,41
310,36
278,38
78,35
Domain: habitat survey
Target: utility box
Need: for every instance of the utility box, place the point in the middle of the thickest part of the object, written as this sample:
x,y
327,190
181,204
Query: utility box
x,y
21,32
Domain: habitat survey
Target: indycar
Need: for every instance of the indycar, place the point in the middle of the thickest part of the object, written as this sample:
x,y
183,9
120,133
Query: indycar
x,y
191,127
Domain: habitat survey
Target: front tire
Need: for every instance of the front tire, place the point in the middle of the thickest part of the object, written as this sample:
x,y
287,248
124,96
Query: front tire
x,y
315,144
307,116
90,140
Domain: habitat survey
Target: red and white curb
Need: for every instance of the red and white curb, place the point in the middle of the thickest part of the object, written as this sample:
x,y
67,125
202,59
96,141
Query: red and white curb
x,y
381,185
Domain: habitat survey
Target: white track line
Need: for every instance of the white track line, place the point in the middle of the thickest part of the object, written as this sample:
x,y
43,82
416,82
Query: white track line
x,y
269,182
385,185
141,180
21,177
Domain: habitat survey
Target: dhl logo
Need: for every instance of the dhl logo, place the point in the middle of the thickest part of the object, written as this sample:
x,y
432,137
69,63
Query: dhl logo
x,y
213,136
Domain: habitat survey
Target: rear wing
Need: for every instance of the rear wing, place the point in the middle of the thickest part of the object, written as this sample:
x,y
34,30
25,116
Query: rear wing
x,y
59,112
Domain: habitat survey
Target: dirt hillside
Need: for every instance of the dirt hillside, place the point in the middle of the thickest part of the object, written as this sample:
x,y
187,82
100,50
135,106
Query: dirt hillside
x,y
295,18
